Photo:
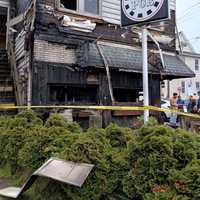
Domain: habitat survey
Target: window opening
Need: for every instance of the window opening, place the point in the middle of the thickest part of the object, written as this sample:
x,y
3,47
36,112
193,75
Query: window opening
x,y
69,4
196,65
126,95
82,6
73,94
183,86
198,85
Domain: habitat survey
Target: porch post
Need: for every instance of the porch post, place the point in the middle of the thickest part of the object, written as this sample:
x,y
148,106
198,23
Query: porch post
x,y
145,73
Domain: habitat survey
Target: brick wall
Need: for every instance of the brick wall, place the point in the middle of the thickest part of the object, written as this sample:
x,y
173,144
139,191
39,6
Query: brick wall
x,y
56,53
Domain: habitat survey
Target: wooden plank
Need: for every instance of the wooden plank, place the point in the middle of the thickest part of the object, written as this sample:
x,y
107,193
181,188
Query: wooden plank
x,y
81,114
127,113
6,89
16,20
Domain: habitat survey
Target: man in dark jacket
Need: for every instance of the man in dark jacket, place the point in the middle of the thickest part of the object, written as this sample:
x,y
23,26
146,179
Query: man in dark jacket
x,y
191,105
198,102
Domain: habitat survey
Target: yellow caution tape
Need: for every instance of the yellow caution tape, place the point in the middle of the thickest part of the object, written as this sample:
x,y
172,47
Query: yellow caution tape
x,y
113,108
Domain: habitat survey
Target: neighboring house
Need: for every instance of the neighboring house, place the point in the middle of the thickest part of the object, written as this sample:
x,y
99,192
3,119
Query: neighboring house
x,y
74,52
188,86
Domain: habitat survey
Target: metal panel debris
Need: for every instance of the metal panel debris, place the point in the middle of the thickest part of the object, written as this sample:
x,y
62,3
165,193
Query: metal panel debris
x,y
59,170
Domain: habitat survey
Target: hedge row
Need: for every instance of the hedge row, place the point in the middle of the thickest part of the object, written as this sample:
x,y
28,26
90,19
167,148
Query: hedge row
x,y
155,162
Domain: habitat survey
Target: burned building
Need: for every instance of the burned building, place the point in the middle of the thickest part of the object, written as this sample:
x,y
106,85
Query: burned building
x,y
73,52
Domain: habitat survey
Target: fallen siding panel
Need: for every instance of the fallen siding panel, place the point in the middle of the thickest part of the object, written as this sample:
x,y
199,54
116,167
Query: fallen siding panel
x,y
19,46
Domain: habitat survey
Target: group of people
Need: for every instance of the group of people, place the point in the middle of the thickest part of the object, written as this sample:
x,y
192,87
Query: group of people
x,y
192,104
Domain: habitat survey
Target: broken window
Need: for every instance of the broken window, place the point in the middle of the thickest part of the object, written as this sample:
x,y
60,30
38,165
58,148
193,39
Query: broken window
x,y
69,4
126,95
73,94
82,6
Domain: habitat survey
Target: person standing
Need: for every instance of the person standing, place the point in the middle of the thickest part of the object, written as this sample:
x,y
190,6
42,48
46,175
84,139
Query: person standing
x,y
174,106
198,102
180,103
191,104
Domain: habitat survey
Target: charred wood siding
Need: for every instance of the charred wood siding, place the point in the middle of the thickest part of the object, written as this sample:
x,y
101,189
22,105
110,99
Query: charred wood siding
x,y
22,58
46,74
20,49
48,21
126,80
133,81
170,25
40,84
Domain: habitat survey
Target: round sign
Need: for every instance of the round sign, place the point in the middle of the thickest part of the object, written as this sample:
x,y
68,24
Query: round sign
x,y
141,10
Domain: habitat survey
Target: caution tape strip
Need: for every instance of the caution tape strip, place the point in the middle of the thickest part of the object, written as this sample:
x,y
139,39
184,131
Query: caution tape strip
x,y
114,108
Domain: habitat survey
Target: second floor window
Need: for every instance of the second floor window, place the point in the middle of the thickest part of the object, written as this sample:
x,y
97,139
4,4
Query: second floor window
x,y
81,6
198,85
183,87
196,65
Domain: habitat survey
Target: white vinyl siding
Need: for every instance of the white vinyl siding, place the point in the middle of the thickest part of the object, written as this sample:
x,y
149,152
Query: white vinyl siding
x,y
172,4
111,11
4,3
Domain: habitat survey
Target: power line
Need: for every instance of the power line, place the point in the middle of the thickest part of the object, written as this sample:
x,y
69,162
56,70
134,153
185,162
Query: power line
x,y
186,19
188,10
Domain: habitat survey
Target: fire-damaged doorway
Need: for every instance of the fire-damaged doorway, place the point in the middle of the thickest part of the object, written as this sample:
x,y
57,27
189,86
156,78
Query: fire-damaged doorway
x,y
4,16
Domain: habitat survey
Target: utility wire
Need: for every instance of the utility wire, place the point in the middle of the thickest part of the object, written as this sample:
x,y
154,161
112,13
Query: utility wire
x,y
186,19
188,10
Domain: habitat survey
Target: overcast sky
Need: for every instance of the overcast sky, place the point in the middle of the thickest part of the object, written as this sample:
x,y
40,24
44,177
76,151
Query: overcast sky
x,y
188,20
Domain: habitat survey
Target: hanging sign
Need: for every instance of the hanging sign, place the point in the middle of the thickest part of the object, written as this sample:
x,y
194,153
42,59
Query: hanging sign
x,y
143,11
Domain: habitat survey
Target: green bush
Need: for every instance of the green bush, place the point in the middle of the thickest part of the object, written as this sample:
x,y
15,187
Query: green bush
x,y
159,154
56,120
26,119
152,163
43,143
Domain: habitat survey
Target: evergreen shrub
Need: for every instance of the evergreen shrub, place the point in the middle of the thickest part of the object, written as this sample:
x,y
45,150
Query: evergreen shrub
x,y
152,163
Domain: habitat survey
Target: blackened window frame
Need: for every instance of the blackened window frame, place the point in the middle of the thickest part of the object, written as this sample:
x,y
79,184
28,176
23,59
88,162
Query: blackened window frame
x,y
73,94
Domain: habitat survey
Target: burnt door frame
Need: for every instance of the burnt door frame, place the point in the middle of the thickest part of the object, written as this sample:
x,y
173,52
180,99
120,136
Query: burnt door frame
x,y
6,5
